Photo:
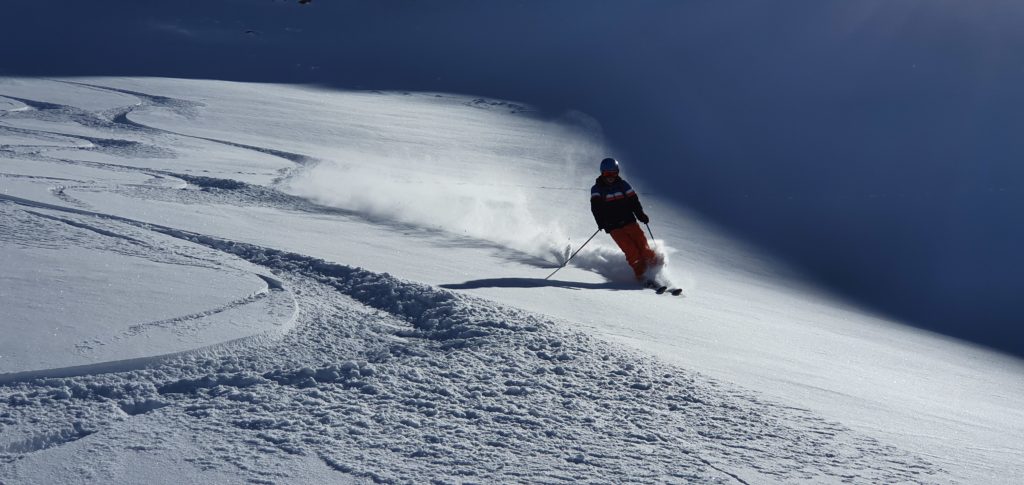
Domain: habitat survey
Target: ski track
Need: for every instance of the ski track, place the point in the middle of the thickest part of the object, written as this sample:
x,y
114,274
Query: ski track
x,y
177,322
118,120
391,381
186,108
245,195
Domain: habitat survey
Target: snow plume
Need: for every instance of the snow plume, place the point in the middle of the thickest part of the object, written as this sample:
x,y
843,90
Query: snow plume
x,y
475,170
519,182
492,211
608,261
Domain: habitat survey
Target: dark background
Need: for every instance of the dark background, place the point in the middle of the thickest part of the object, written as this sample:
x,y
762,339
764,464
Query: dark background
x,y
874,144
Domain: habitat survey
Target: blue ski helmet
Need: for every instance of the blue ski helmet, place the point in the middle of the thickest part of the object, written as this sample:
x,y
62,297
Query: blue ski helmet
x,y
609,165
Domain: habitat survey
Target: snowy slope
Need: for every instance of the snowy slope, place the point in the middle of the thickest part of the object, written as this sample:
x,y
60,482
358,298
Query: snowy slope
x,y
292,285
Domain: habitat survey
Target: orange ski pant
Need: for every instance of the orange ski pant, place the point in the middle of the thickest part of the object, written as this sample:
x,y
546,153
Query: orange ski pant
x,y
631,240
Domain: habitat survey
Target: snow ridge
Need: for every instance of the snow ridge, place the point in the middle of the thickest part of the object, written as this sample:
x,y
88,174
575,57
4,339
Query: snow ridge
x,y
393,381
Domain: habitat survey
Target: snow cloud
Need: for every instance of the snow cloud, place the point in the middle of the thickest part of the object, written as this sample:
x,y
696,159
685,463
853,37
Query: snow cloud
x,y
477,181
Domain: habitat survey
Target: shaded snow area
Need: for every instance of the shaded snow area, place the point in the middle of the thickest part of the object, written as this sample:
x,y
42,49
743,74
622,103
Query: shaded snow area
x,y
211,282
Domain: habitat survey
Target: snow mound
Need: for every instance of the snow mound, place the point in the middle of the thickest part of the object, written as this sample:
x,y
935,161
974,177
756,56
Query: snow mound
x,y
395,381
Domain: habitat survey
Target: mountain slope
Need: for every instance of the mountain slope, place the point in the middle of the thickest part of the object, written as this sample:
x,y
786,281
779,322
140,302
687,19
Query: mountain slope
x,y
355,374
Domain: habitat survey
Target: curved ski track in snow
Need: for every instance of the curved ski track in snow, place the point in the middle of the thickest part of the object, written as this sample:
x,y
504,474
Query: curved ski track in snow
x,y
184,107
178,324
118,119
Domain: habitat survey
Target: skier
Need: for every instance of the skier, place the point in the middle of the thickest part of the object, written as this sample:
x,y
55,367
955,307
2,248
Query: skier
x,y
616,209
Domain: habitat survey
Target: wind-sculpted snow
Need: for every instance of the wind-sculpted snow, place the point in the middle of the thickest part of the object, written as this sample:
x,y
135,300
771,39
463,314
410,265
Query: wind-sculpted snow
x,y
398,382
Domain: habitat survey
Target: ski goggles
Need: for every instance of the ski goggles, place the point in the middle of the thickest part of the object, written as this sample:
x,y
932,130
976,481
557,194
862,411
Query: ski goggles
x,y
610,174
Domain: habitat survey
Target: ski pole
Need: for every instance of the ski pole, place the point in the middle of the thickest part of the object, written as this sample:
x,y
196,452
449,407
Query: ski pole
x,y
651,233
574,254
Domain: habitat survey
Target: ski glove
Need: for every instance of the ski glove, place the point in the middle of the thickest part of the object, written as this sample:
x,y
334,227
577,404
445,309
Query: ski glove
x,y
643,218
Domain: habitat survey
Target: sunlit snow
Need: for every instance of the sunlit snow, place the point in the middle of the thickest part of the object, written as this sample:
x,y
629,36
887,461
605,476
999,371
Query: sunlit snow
x,y
277,284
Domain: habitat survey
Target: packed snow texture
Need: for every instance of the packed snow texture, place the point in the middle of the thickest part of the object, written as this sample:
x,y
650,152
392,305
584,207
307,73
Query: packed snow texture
x,y
322,287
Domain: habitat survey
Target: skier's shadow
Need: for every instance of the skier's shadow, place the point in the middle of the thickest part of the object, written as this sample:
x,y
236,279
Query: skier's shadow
x,y
532,283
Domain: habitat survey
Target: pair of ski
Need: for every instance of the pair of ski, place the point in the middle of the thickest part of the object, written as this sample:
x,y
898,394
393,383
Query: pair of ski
x,y
662,289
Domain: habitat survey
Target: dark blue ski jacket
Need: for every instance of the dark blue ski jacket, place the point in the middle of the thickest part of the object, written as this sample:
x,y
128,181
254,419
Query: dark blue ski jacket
x,y
615,204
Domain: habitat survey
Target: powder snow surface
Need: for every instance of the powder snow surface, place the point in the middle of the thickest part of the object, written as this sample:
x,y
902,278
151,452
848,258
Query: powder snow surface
x,y
326,287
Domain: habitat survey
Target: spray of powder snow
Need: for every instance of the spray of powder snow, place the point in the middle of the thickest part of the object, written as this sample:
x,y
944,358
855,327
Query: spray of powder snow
x,y
501,212
608,261
521,184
